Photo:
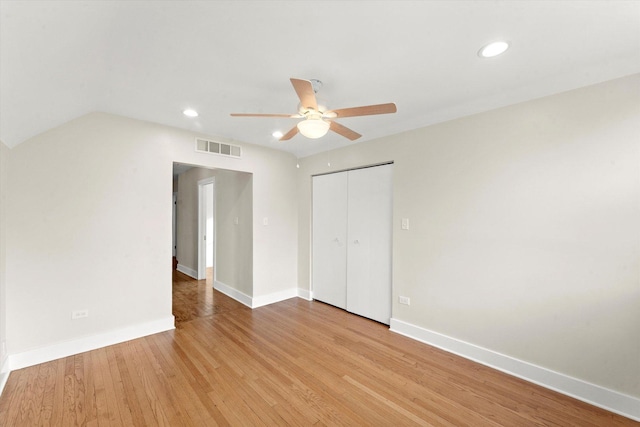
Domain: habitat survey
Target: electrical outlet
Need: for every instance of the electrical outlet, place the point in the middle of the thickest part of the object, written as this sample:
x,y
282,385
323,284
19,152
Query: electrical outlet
x,y
265,221
404,300
78,314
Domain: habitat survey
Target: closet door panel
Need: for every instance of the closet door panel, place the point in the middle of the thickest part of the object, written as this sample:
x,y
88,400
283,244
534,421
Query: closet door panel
x,y
329,266
369,228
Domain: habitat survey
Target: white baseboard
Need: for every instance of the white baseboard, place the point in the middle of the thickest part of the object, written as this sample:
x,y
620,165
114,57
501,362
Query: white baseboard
x,y
305,294
259,301
610,400
262,300
188,271
80,345
4,374
233,293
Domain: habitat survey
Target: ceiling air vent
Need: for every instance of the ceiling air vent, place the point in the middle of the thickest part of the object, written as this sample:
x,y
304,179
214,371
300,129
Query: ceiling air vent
x,y
218,148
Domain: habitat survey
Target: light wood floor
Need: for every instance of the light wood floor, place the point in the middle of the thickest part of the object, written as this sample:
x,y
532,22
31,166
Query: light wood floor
x,y
291,363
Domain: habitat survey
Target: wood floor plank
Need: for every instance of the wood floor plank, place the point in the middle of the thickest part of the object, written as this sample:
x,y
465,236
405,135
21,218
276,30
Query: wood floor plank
x,y
34,395
158,383
191,411
133,377
100,390
160,408
49,372
11,397
295,362
123,407
58,396
28,406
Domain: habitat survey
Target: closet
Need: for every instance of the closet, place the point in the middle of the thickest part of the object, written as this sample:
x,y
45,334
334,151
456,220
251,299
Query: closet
x,y
352,240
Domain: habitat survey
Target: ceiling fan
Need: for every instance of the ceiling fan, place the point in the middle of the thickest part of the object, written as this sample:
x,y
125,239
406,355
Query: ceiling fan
x,y
318,121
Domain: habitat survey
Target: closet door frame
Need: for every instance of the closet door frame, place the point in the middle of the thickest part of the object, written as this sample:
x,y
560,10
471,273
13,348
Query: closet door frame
x,y
323,242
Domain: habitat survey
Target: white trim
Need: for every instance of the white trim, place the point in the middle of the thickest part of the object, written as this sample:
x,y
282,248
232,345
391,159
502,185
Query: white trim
x,y
610,400
259,301
233,293
202,227
188,271
263,300
305,294
69,348
174,224
4,374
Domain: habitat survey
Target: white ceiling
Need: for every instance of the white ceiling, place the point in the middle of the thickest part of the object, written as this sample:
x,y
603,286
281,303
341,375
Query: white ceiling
x,y
151,59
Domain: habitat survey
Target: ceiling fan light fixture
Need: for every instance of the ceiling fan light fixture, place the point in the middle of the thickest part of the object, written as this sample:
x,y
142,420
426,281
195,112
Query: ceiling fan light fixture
x,y
313,128
317,120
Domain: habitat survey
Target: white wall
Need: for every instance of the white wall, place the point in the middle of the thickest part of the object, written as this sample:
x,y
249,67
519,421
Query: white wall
x,y
524,230
4,153
90,226
234,242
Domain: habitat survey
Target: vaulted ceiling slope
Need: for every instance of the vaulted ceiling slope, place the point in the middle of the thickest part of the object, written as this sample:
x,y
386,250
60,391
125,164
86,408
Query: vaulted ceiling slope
x,y
150,60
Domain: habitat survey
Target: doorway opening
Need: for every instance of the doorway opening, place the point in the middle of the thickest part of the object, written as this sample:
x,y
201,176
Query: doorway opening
x,y
213,238
206,226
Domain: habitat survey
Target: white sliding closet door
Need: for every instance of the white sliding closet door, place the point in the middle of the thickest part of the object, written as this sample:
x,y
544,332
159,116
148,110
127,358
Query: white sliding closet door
x,y
369,226
352,240
329,269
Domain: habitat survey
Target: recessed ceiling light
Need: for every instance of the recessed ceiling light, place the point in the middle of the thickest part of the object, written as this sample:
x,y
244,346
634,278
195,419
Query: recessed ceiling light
x,y
277,134
190,113
493,49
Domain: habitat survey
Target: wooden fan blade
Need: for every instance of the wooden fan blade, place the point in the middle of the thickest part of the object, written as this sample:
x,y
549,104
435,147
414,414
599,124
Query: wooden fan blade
x,y
344,131
367,110
290,116
305,92
287,136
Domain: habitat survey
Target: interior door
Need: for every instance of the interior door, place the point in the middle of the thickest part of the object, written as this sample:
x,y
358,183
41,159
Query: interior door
x,y
329,268
370,213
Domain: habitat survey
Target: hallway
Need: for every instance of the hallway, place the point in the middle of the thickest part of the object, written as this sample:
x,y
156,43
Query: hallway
x,y
193,299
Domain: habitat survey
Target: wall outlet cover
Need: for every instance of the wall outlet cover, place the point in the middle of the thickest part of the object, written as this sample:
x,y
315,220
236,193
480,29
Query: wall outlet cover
x,y
78,314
